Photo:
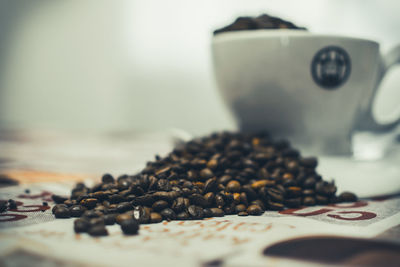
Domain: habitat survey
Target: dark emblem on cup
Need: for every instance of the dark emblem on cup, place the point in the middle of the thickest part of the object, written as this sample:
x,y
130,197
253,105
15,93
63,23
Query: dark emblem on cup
x,y
330,67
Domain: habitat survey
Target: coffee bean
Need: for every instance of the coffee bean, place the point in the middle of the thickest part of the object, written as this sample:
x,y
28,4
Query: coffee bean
x,y
168,214
309,182
240,208
310,162
243,213
183,216
129,226
124,206
107,178
62,212
58,199
122,217
207,213
275,205
92,214
210,185
275,194
325,188
293,191
81,226
293,202
159,205
155,217
254,210
89,203
110,219
77,210
142,214
347,197
98,230
216,212
198,199
309,201
195,212
206,174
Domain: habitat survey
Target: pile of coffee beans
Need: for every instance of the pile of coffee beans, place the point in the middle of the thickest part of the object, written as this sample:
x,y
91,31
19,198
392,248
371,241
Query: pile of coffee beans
x,y
224,173
263,21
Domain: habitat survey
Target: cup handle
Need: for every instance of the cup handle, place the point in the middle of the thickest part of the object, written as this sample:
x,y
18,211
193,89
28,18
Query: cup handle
x,y
368,121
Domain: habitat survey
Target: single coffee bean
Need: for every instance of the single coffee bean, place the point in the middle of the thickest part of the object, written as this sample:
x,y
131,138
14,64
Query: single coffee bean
x,y
206,174
262,183
233,186
275,205
308,192
110,219
89,203
216,212
195,212
53,210
197,199
209,197
243,213
62,212
293,191
347,197
159,205
142,214
254,210
219,201
107,178
98,230
210,185
275,194
168,214
58,199
183,216
240,208
130,226
81,226
77,210
310,162
155,217
207,213
309,201
122,217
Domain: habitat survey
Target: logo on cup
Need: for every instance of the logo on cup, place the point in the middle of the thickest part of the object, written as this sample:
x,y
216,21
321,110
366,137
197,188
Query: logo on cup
x,y
330,67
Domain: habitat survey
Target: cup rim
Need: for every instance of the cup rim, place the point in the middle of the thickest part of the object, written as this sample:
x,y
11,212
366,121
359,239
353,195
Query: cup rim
x,y
280,33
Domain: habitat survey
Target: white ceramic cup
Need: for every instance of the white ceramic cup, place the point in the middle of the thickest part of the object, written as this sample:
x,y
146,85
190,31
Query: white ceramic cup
x,y
314,89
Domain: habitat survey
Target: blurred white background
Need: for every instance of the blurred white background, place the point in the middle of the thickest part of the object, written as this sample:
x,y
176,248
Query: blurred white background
x,y
146,65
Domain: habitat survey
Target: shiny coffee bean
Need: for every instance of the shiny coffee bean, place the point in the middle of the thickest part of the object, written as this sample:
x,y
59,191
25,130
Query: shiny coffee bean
x,y
195,212
81,226
130,226
98,230
347,197
254,210
155,217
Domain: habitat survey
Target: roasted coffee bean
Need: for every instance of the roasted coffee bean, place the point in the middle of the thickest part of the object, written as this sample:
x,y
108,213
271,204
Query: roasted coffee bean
x,y
92,214
124,206
308,192
130,226
147,200
210,185
325,188
58,199
81,225
206,174
77,210
219,200
168,214
293,202
210,198
110,219
275,194
309,201
3,206
199,200
98,230
254,210
155,217
195,212
293,191
310,162
107,178
240,208
62,212
216,212
142,214
183,216
159,205
96,221
275,205
115,199
322,200
243,213
53,210
309,182
122,217
347,197
259,203
229,209
89,203
233,186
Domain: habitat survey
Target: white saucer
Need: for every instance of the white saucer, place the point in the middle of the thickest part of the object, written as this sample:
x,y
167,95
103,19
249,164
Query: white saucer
x,y
363,177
